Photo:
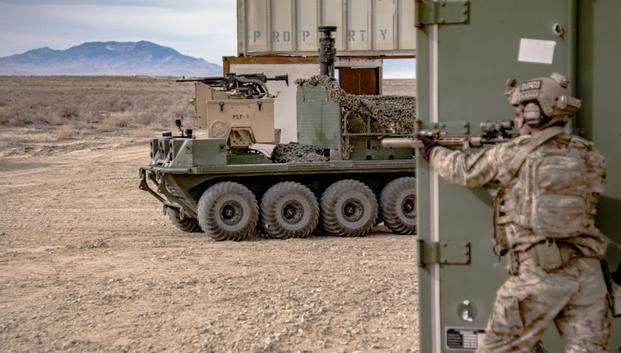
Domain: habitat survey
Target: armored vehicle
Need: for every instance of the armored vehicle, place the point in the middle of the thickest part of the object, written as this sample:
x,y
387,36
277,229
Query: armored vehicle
x,y
337,176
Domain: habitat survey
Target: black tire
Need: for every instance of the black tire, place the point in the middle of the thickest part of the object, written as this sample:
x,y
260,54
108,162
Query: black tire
x,y
228,211
187,224
398,201
348,209
289,210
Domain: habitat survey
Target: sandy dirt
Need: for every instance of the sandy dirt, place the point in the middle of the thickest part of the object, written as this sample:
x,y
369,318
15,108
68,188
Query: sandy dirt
x,y
88,263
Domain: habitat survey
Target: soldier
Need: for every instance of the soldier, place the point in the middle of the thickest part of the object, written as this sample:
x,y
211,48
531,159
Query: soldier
x,y
545,185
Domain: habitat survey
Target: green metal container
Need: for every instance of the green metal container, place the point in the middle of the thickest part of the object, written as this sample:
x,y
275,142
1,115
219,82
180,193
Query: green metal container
x,y
466,51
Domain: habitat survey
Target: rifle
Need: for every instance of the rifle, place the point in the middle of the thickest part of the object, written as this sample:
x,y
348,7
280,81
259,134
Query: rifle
x,y
245,85
613,285
492,132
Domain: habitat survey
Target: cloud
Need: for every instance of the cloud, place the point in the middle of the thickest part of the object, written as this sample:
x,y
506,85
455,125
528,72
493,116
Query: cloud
x,y
194,27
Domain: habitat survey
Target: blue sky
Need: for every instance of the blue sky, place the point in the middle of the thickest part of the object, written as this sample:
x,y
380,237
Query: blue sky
x,y
200,28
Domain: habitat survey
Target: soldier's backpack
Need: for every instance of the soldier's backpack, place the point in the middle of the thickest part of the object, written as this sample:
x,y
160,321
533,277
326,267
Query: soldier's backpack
x,y
554,198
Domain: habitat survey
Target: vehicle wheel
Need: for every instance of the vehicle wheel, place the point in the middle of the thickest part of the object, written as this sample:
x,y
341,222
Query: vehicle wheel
x,y
348,208
228,211
398,201
289,210
187,224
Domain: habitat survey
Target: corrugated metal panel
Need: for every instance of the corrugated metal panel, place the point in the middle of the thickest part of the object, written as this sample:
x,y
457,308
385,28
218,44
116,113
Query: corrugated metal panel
x,y
365,27
256,11
331,16
406,29
282,25
307,16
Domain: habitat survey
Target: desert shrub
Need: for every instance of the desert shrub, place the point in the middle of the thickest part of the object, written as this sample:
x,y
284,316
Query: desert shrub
x,y
92,117
156,125
49,119
117,120
145,118
66,131
69,113
16,117
119,104
93,101
148,132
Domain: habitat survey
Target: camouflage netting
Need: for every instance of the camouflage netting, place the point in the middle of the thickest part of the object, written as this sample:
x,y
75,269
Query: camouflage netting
x,y
394,114
388,114
295,152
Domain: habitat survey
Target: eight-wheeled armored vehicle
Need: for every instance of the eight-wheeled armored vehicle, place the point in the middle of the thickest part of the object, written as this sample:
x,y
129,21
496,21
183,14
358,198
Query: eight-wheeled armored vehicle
x,y
337,177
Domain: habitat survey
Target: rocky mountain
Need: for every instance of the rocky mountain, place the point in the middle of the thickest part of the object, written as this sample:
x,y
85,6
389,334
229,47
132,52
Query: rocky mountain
x,y
108,58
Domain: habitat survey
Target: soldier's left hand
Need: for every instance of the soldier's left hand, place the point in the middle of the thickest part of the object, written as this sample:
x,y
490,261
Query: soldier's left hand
x,y
428,146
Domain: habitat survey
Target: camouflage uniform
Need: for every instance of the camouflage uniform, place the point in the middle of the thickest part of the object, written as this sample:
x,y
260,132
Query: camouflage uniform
x,y
573,296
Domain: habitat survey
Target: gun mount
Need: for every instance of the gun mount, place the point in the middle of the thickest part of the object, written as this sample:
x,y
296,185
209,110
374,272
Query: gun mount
x,y
327,51
238,108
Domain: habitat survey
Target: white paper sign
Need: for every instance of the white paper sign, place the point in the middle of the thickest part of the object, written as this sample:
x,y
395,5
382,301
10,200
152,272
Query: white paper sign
x,y
536,51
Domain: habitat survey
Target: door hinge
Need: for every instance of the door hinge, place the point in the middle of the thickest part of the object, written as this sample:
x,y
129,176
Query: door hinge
x,y
443,253
429,12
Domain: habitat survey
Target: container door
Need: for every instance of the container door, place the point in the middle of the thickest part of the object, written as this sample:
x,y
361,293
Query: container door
x,y
360,80
599,119
466,52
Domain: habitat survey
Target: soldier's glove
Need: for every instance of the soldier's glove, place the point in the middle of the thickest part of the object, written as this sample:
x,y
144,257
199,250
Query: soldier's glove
x,y
428,146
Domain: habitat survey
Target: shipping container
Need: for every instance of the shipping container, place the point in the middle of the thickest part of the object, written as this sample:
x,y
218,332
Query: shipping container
x,y
364,27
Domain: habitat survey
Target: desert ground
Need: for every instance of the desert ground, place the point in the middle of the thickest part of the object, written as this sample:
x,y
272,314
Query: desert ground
x,y
88,263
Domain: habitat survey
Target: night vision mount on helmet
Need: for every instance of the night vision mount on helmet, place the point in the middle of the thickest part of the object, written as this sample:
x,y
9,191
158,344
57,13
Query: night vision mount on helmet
x,y
545,99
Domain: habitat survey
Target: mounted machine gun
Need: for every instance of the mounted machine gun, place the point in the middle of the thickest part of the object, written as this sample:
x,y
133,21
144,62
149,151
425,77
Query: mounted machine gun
x,y
238,108
248,86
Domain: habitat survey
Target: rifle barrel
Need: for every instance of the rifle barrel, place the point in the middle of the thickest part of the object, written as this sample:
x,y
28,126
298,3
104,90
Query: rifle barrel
x,y
401,142
455,141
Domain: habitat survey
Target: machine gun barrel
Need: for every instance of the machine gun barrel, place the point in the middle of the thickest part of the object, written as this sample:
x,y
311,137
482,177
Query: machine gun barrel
x,y
202,79
232,77
279,78
262,77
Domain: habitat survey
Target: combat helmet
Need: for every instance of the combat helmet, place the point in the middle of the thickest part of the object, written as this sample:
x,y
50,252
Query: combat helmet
x,y
545,100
